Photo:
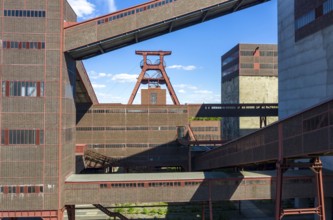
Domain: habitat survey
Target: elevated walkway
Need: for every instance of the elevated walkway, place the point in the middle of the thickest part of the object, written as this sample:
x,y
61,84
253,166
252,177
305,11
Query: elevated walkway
x,y
142,22
188,187
307,134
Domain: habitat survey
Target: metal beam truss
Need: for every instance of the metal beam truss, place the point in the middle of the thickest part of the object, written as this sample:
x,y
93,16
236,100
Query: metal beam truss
x,y
281,166
109,213
159,79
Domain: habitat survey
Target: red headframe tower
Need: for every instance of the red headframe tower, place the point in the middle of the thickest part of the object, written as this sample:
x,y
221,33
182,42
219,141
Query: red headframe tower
x,y
159,77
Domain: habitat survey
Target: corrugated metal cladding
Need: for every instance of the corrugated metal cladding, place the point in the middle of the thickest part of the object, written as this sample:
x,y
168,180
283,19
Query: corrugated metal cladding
x,y
32,175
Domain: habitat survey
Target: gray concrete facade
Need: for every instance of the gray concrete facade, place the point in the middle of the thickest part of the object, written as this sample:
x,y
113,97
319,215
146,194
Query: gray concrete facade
x,y
305,66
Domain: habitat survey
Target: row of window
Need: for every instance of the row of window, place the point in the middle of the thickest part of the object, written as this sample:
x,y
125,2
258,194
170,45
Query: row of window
x,y
313,14
207,137
107,111
262,65
21,189
119,145
24,13
152,184
137,128
22,45
22,137
133,11
230,58
22,88
230,70
262,53
205,129
305,19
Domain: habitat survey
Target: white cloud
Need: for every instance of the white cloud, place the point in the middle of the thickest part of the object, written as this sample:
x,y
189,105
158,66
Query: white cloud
x,y
181,67
94,75
82,7
203,92
124,77
181,91
98,86
185,86
112,5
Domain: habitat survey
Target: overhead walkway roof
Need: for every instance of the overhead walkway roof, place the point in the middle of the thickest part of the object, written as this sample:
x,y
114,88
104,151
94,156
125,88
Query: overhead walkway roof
x,y
142,22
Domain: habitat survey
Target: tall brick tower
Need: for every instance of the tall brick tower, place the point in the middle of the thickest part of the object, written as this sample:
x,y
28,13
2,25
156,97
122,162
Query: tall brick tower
x,y
37,111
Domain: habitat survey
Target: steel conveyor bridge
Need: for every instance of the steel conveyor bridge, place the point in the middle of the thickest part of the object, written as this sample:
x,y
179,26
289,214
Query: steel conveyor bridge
x,y
306,134
154,18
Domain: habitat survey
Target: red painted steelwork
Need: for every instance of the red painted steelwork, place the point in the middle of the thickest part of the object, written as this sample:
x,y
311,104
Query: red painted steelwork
x,y
70,212
80,148
159,67
20,214
319,210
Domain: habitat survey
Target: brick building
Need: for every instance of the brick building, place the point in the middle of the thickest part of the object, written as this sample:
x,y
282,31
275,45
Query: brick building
x,y
249,75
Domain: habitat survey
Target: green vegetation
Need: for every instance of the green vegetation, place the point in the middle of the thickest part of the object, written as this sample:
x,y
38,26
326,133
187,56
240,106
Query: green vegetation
x,y
161,210
206,119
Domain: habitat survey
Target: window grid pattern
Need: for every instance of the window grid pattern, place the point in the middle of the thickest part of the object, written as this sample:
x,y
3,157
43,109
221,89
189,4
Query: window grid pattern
x,y
305,19
134,11
24,13
21,189
22,137
135,128
23,45
22,88
111,111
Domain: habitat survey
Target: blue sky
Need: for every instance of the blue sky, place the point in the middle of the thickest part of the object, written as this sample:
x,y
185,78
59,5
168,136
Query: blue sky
x,y
194,67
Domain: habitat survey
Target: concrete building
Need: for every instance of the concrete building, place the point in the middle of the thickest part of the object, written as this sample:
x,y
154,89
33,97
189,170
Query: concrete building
x,y
305,60
249,75
305,54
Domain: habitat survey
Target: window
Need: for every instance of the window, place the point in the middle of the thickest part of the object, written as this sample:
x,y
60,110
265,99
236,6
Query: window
x,y
19,88
247,65
153,98
24,13
31,189
246,53
22,45
20,137
230,70
327,6
266,66
305,19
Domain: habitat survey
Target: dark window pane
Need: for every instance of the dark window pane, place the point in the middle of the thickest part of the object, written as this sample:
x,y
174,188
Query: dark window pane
x,y
5,13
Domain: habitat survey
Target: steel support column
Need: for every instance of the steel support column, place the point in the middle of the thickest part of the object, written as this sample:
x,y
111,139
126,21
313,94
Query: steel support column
x,y
319,210
70,212
203,211
279,175
263,121
210,202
